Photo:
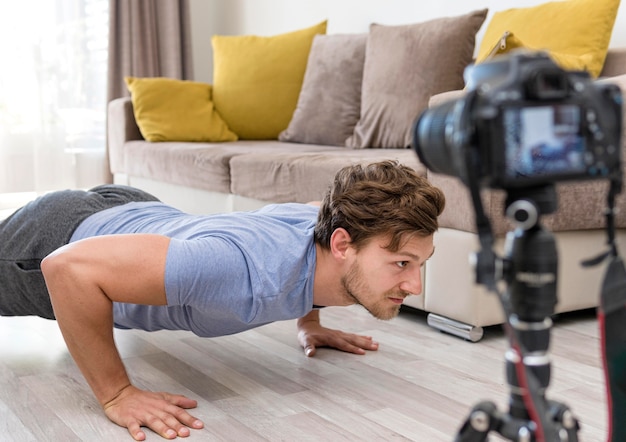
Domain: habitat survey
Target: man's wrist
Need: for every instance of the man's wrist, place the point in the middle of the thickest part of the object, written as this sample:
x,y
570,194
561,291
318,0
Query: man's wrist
x,y
312,317
116,396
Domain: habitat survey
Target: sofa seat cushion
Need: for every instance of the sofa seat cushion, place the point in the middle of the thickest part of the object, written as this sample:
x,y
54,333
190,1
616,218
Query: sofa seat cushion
x,y
303,177
204,166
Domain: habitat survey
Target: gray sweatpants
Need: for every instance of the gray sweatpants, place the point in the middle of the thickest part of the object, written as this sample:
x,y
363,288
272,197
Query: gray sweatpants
x,y
39,228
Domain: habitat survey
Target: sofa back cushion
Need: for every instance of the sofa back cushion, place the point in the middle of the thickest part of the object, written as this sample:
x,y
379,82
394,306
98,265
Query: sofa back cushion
x,y
330,100
404,66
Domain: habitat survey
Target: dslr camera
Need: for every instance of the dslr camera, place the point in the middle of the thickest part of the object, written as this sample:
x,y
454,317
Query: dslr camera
x,y
524,122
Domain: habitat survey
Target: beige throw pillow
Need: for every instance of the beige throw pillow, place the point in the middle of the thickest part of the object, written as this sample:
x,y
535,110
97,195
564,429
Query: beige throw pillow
x,y
404,66
330,100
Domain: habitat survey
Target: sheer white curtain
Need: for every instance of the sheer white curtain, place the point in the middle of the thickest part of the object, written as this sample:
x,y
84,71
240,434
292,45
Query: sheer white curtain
x,y
53,85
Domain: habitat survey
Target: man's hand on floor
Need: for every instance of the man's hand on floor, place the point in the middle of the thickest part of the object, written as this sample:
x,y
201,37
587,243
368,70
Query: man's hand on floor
x,y
311,335
163,413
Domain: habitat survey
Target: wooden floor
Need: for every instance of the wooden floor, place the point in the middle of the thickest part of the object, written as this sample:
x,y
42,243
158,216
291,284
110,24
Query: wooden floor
x,y
258,385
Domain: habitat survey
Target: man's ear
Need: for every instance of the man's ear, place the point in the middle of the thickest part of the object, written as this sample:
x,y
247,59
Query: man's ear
x,y
340,242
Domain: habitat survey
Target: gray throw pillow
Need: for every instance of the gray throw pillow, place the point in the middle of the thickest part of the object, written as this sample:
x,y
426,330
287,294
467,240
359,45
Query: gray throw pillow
x,y
404,66
329,103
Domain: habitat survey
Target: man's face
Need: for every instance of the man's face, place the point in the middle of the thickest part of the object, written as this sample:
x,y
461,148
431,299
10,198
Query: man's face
x,y
379,279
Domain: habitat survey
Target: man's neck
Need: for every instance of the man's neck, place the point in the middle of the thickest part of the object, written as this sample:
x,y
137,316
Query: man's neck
x,y
327,288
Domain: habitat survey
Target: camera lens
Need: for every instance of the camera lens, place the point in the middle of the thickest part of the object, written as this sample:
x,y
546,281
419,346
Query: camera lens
x,y
431,141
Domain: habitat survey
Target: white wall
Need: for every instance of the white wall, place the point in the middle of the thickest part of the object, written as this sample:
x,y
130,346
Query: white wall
x,y
269,17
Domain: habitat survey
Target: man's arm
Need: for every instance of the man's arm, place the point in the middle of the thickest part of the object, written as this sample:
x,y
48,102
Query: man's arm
x,y
84,279
311,334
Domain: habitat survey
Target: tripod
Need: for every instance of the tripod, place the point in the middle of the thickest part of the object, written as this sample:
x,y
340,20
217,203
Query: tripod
x,y
529,270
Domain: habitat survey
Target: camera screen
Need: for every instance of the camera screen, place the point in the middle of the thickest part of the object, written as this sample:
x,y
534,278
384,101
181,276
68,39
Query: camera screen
x,y
541,141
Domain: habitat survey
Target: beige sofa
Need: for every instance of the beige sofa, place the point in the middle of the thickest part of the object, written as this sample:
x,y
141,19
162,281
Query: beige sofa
x,y
244,175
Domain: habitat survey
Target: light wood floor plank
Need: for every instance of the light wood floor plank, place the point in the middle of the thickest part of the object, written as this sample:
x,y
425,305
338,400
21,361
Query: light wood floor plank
x,y
407,425
356,423
258,385
11,427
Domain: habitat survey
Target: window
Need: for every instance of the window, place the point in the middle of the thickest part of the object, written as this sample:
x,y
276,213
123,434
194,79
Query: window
x,y
52,94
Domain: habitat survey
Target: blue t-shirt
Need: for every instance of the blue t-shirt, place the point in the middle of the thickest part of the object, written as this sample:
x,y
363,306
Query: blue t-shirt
x,y
224,273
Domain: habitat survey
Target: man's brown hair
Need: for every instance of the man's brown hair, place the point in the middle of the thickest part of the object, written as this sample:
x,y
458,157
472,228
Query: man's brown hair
x,y
380,199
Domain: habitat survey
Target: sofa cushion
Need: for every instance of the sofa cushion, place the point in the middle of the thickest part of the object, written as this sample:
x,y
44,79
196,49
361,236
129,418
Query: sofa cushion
x,y
404,66
330,100
200,165
257,80
167,109
576,31
302,177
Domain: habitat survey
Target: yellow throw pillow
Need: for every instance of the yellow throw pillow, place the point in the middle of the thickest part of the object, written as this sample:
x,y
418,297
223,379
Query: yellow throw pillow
x,y
176,110
576,33
509,42
257,80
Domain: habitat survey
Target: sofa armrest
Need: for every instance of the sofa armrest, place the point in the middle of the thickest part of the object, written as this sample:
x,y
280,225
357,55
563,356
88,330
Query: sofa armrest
x,y
615,63
121,127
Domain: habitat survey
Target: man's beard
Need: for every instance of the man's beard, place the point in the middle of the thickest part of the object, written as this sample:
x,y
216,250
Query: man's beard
x,y
358,292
